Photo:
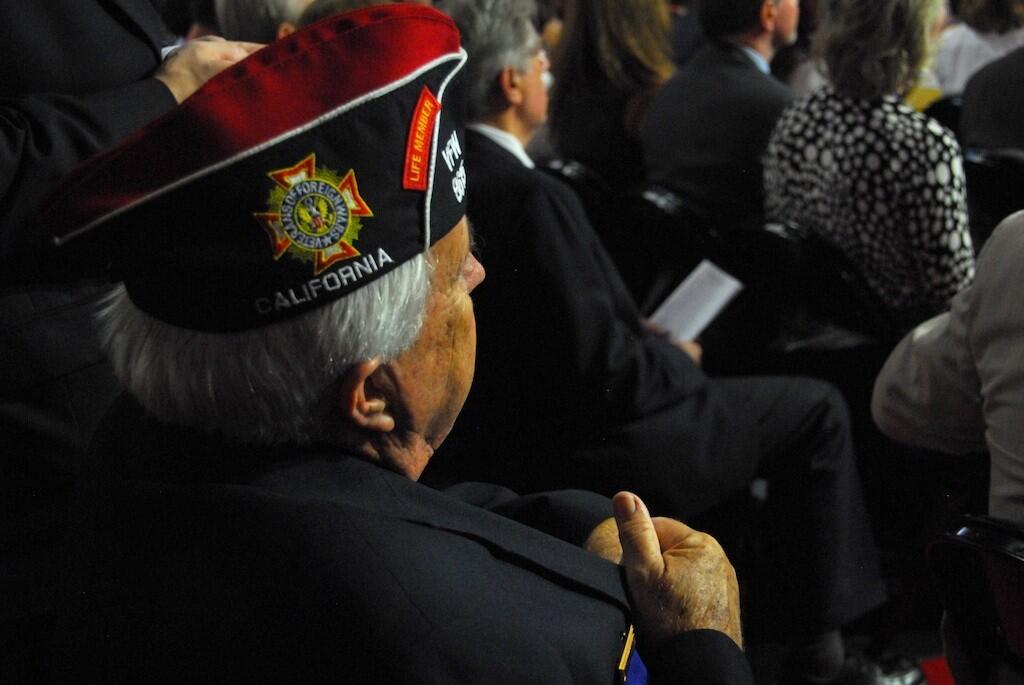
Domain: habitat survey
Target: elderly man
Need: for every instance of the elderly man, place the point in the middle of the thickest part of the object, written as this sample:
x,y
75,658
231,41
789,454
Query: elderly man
x,y
573,390
297,338
709,125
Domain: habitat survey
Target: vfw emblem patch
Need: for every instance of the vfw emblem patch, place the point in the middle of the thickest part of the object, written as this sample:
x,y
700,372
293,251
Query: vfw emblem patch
x,y
313,214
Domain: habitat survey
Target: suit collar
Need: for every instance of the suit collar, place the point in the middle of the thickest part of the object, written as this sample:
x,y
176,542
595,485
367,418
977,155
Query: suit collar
x,y
757,58
504,139
151,451
723,51
480,147
145,21
394,495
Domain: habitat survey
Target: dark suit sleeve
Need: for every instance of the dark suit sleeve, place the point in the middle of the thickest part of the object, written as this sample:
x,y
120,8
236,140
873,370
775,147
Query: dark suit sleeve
x,y
699,657
612,368
42,137
569,515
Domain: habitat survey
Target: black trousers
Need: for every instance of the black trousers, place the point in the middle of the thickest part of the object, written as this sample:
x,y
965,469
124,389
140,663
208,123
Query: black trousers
x,y
820,558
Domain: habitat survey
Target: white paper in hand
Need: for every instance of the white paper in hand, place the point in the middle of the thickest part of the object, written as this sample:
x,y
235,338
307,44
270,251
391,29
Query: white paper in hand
x,y
696,301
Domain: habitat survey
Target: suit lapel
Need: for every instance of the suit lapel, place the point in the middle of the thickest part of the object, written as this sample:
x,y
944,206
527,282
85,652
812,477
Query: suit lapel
x,y
142,18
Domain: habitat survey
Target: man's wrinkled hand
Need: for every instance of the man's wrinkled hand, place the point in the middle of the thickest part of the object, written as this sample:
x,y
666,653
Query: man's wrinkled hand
x,y
199,60
679,578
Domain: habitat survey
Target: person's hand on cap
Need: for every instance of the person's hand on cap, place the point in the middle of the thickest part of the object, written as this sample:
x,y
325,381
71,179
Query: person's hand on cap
x,y
679,578
199,60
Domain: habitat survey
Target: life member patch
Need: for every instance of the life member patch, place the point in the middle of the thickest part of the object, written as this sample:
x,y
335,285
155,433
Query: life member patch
x,y
421,134
313,214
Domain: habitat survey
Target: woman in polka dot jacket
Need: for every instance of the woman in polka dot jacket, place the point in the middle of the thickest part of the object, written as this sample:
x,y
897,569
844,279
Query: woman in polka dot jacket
x,y
852,163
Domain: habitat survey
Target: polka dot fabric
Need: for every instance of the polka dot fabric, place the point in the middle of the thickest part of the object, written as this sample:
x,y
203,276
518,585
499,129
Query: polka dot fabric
x,y
882,182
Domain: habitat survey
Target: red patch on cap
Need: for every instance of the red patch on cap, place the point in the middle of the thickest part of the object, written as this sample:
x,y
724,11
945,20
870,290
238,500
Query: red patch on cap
x,y
421,134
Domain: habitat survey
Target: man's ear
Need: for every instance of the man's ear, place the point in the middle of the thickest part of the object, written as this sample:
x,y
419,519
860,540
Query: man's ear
x,y
509,80
362,401
769,8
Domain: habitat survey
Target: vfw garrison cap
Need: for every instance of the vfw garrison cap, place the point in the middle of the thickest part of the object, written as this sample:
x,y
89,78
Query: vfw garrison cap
x,y
302,173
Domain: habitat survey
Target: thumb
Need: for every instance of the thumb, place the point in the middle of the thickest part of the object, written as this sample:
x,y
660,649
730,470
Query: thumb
x,y
641,551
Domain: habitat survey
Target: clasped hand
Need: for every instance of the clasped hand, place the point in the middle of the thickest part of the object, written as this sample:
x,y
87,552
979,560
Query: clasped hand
x,y
679,579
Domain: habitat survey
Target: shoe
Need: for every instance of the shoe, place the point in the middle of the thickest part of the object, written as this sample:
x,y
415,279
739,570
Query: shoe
x,y
898,669
860,670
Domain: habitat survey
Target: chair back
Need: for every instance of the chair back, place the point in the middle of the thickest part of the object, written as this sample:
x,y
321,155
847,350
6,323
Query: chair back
x,y
995,189
835,290
670,241
593,191
606,211
649,233
979,572
946,111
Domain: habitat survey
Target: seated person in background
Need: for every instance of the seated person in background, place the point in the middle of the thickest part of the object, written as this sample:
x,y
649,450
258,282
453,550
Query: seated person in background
x,y
855,165
548,21
987,30
611,59
708,126
258,20
297,336
575,391
956,383
993,107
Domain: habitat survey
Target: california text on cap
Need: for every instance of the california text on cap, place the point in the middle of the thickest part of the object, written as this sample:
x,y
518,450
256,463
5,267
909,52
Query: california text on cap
x,y
307,170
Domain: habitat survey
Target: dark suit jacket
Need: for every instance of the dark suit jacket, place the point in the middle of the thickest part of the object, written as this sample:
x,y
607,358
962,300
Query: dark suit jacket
x,y
707,129
687,36
195,561
75,81
571,390
993,106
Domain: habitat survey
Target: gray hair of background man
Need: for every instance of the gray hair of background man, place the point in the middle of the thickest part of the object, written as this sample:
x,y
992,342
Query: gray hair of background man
x,y
496,34
255,20
723,18
268,385
321,9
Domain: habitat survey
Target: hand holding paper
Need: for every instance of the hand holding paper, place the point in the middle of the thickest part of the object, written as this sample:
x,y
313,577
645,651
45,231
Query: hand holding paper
x,y
696,302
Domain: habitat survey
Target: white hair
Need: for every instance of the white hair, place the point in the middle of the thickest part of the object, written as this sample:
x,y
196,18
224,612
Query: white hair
x,y
496,34
255,20
268,385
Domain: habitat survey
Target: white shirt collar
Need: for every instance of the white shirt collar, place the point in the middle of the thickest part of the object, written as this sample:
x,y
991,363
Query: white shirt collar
x,y
505,140
757,58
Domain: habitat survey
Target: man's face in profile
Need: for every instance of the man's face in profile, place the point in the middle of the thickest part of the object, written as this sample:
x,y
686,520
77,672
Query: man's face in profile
x,y
787,21
435,374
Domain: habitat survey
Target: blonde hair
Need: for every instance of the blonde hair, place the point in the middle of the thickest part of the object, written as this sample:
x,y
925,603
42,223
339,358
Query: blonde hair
x,y
876,48
627,42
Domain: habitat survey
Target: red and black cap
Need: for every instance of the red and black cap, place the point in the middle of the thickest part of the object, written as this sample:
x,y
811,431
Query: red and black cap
x,y
302,173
